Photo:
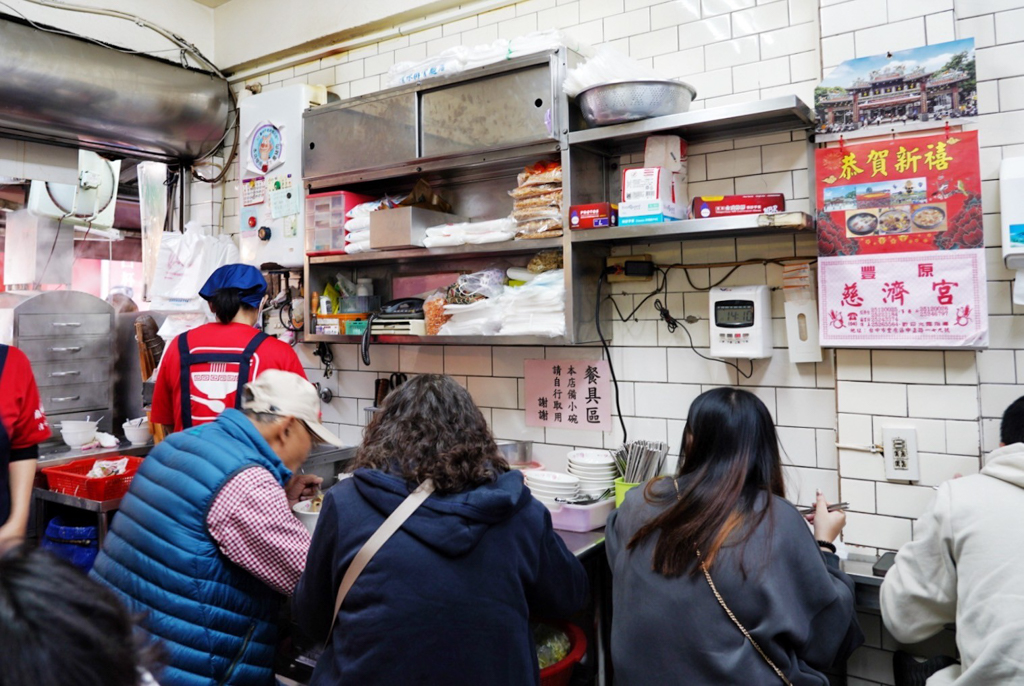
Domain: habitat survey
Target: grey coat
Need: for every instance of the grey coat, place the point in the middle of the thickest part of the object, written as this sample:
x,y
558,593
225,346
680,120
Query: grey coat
x,y
794,601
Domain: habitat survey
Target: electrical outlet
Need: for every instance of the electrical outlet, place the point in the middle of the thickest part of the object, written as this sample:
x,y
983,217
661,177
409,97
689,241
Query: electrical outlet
x,y
900,449
620,262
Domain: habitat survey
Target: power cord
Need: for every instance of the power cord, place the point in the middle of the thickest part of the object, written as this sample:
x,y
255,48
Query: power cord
x,y
672,323
326,355
608,352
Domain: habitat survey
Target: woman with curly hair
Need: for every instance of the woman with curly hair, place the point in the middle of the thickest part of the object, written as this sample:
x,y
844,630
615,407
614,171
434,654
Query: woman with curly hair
x,y
447,599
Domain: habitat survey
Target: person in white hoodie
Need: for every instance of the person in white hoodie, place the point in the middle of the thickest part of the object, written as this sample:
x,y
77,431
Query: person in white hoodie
x,y
966,565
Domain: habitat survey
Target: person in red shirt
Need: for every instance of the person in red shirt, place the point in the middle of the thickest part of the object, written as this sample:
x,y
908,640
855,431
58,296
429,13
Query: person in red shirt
x,y
22,428
214,361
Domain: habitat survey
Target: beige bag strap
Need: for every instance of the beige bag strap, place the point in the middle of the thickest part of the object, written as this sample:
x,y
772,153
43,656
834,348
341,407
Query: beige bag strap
x,y
386,530
721,601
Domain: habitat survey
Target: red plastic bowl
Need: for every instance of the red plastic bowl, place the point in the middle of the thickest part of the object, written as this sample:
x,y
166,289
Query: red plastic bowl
x,y
560,673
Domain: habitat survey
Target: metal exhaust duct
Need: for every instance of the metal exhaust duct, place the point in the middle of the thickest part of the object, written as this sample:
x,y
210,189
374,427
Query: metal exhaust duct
x,y
72,92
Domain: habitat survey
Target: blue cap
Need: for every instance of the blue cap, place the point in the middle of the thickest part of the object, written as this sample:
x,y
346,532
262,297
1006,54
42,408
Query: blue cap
x,y
243,277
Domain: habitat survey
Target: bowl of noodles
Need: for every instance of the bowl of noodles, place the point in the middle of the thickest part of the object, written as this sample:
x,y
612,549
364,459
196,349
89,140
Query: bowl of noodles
x,y
308,511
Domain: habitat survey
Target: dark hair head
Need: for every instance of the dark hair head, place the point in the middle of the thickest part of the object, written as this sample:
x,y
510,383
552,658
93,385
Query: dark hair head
x,y
1011,430
226,303
429,428
60,628
730,456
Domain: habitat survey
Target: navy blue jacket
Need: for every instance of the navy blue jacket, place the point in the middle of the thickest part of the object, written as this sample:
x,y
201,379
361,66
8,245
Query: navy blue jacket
x,y
217,622
448,597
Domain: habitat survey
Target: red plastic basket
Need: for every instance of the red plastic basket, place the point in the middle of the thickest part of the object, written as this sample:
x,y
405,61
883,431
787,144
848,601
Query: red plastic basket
x,y
560,673
71,478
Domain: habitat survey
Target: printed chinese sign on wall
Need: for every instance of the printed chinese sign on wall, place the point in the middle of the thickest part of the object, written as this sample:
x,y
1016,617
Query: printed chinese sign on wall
x,y
907,300
901,243
568,394
902,195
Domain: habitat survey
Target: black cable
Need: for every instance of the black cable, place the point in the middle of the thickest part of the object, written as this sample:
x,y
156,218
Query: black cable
x,y
607,352
686,273
659,289
674,323
326,355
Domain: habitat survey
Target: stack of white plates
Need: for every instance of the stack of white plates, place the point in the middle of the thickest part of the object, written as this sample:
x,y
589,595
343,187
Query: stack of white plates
x,y
595,469
546,486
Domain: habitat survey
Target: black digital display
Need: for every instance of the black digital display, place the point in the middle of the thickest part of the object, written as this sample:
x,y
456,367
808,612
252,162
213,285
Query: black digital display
x,y
734,314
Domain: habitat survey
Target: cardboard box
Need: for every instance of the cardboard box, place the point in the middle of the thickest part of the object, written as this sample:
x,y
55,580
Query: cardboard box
x,y
730,205
598,215
405,227
651,195
667,152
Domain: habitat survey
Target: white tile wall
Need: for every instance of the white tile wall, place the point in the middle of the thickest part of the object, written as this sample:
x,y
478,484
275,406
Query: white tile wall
x,y
739,50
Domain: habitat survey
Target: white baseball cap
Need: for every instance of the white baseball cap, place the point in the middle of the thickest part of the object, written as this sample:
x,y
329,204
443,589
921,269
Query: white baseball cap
x,y
288,395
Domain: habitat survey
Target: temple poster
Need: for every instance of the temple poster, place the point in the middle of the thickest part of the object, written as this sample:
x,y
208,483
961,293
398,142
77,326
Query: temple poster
x,y
898,92
901,243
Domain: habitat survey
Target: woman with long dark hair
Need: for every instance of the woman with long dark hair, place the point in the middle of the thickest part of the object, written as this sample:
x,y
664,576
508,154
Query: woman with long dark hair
x,y
717,579
446,599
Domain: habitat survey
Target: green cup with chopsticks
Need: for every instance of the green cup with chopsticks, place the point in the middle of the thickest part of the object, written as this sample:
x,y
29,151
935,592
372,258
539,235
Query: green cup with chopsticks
x,y
621,489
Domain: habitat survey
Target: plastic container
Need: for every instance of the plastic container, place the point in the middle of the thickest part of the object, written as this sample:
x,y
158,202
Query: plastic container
x,y
308,518
71,479
364,287
338,324
582,518
560,673
79,545
76,438
359,304
621,489
136,433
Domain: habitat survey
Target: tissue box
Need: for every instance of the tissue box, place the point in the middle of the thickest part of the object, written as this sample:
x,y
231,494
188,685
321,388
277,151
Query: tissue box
x,y
667,152
651,195
596,215
729,205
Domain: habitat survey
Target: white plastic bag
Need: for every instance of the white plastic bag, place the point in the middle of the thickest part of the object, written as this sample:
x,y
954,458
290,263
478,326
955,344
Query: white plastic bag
x,y
607,66
184,263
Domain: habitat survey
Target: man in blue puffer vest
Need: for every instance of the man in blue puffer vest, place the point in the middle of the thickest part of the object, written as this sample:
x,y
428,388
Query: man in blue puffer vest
x,y
205,545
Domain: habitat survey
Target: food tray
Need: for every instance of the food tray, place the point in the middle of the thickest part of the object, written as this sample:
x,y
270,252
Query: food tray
x,y
582,518
71,479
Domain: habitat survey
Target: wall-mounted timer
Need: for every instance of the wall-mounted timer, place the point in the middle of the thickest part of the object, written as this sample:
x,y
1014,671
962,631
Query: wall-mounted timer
x,y
741,322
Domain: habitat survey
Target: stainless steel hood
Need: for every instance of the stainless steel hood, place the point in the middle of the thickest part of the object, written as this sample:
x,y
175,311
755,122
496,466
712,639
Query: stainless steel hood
x,y
72,92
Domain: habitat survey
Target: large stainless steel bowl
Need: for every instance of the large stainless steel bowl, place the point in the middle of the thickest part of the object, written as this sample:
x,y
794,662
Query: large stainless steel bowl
x,y
616,103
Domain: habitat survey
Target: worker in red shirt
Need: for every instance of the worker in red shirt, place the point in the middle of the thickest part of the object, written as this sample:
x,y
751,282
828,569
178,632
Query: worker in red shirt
x,y
22,428
203,370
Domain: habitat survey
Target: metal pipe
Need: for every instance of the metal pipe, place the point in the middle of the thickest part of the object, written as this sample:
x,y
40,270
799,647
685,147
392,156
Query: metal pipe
x,y
67,91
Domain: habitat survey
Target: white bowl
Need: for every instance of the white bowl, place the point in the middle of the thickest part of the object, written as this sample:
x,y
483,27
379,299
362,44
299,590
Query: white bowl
x,y
77,425
586,471
76,438
539,476
308,519
552,491
592,457
136,435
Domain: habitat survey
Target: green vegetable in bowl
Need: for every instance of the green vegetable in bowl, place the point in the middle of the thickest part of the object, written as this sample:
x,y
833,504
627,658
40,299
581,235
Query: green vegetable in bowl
x,y
552,644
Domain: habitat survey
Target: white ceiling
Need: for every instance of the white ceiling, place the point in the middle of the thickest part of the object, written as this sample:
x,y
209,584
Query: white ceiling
x,y
211,3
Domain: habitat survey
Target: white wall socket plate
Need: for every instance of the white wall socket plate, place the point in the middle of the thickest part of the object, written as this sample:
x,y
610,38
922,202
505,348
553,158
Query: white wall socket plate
x,y
899,445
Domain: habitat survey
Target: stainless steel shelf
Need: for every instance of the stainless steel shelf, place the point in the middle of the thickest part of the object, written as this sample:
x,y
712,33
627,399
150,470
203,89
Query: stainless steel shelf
x,y
784,113
442,340
714,227
523,247
75,501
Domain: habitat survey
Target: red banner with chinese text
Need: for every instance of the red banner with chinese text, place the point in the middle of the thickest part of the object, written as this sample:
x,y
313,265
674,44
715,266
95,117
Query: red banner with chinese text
x,y
901,195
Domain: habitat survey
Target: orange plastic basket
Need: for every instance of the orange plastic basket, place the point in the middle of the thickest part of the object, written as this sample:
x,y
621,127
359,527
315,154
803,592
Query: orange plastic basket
x,y
71,478
560,673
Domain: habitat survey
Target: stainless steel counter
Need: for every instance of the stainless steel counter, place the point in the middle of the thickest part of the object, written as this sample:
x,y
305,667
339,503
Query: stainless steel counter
x,y
583,544
63,454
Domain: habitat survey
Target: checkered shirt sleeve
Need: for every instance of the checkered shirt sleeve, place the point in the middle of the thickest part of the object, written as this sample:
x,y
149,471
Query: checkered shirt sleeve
x,y
255,528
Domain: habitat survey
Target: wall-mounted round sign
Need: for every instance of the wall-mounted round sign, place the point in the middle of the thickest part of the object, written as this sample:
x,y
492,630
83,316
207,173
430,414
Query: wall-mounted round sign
x,y
266,147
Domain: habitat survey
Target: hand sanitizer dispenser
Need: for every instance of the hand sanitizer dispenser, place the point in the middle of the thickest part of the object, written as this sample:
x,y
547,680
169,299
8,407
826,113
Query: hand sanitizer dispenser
x,y
1011,193
741,322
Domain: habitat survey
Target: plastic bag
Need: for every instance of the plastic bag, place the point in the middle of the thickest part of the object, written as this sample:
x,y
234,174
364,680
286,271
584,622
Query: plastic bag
x,y
469,288
544,261
532,214
451,61
101,468
540,173
606,66
535,190
434,314
364,209
178,323
184,263
547,199
541,228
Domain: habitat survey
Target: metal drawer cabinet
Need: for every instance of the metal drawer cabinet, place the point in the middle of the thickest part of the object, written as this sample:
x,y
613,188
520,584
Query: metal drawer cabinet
x,y
62,325
70,372
60,399
46,350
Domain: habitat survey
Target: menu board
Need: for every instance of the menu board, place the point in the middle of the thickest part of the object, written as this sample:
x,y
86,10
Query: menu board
x,y
568,394
900,241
